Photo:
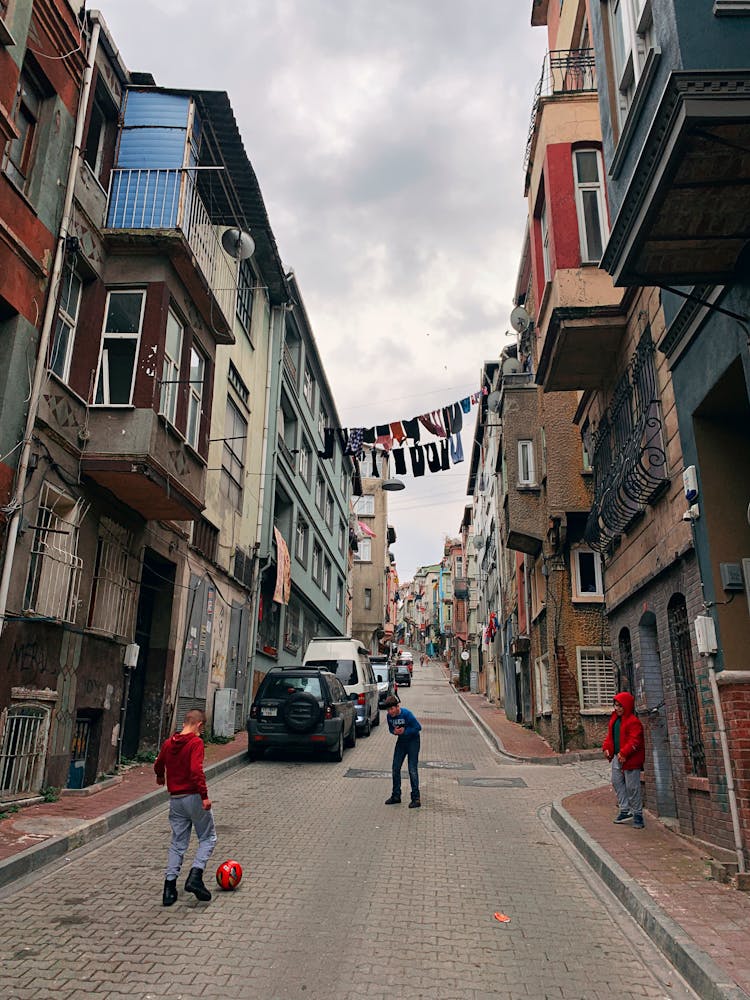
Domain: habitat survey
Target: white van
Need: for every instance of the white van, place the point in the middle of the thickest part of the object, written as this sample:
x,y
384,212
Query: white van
x,y
348,659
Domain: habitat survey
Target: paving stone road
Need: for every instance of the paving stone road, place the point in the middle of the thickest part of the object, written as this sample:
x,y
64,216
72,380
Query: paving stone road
x,y
345,898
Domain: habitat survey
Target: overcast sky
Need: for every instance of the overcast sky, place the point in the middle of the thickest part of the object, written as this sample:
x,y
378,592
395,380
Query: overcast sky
x,y
388,141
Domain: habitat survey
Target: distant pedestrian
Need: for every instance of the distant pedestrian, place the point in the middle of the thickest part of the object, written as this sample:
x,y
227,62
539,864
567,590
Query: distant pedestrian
x,y
406,728
181,757
423,660
624,746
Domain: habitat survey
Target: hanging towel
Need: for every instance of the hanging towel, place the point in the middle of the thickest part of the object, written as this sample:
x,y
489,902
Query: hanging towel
x,y
466,404
457,418
398,431
417,460
329,438
434,462
412,429
399,459
444,459
457,449
368,436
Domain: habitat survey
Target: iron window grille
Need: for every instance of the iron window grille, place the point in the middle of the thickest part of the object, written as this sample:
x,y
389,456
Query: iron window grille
x,y
23,749
113,596
55,567
596,678
684,674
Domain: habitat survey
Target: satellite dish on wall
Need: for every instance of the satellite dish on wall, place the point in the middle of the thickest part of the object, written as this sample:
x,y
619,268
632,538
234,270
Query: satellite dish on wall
x,y
494,401
520,319
237,243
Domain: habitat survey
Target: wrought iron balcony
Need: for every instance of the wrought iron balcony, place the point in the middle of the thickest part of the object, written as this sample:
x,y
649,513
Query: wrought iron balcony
x,y
564,72
162,203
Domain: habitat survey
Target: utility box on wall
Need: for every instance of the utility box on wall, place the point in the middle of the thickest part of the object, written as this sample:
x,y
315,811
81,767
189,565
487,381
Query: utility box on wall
x,y
225,703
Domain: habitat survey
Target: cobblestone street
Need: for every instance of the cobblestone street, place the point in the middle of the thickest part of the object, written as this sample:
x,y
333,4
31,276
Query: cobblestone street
x,y
342,897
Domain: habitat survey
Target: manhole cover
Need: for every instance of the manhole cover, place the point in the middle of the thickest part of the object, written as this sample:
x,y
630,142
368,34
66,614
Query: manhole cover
x,y
446,765
361,772
493,782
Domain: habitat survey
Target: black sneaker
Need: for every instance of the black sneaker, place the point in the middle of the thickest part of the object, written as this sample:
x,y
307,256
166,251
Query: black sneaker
x,y
623,816
393,801
415,804
638,823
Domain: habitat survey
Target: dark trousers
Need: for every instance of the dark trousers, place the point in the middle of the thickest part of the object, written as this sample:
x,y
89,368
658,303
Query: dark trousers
x,y
406,748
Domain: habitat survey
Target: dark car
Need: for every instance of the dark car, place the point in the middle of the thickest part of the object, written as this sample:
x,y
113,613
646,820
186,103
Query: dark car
x,y
403,675
301,708
385,675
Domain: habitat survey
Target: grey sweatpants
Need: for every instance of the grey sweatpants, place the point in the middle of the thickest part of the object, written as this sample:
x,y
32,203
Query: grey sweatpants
x,y
627,786
186,812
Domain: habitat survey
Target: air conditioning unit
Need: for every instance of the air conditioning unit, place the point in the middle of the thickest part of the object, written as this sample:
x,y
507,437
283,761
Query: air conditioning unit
x,y
225,705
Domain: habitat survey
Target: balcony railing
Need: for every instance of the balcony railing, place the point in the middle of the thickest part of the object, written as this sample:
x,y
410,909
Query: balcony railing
x,y
285,451
146,199
289,366
564,71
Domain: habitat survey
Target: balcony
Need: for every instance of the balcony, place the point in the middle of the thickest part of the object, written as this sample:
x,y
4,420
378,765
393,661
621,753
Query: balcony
x,y
290,367
461,587
161,211
685,218
286,452
131,452
564,72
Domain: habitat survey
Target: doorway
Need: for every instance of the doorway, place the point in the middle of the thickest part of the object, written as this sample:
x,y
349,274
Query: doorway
x,y
651,698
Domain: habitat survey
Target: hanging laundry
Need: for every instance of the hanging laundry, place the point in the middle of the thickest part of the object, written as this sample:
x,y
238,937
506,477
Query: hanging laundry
x,y
368,437
457,418
398,431
384,437
437,416
375,471
445,463
412,429
434,463
429,421
329,440
343,434
417,460
466,404
457,449
399,459
355,441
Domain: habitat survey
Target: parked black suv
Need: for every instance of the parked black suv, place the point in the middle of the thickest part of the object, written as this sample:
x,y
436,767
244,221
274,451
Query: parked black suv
x,y
301,708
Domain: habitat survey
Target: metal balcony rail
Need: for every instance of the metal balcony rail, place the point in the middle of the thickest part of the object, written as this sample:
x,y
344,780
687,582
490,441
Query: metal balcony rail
x,y
144,198
564,71
285,451
289,366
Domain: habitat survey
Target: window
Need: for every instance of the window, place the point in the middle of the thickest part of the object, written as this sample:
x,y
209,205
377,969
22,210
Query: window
x,y
544,231
308,387
627,669
542,685
317,560
205,538
684,675
65,328
320,491
631,26
293,627
344,479
328,511
195,397
113,595
300,540
305,462
459,566
170,369
587,575
368,598
364,551
327,577
339,595
322,421
122,331
19,152
536,588
246,282
55,567
232,478
590,204
235,380
596,679
342,537
526,470
99,150
267,633
364,506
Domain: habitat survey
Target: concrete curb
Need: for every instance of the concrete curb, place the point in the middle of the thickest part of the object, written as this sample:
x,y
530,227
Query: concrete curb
x,y
39,855
699,970
558,759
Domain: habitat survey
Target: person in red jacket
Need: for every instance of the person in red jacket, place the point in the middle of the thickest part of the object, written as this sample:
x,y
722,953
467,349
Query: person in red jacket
x,y
624,746
181,758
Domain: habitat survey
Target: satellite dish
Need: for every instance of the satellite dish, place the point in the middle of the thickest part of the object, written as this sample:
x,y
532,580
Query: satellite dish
x,y
494,401
520,319
479,541
237,243
510,366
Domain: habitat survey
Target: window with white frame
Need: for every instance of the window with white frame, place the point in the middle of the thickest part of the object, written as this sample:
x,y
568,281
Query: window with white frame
x,y
536,587
322,421
344,478
20,151
587,575
588,173
368,598
308,387
342,537
55,568
305,462
113,594
364,506
632,33
320,492
300,540
195,396
245,284
119,351
328,511
544,231
526,468
364,551
317,562
170,369
231,482
326,580
339,595
597,682
67,320
542,684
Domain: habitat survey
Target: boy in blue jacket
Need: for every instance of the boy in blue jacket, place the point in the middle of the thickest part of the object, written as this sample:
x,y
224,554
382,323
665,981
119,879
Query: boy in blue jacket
x,y
406,728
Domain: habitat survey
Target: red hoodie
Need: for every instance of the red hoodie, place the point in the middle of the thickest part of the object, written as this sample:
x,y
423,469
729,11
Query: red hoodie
x,y
182,757
631,734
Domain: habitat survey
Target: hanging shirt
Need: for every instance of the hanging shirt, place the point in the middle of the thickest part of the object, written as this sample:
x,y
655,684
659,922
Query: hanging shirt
x,y
398,431
412,429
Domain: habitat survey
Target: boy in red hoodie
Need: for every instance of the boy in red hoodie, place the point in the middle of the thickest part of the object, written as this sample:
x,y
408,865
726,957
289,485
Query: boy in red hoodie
x,y
624,746
181,756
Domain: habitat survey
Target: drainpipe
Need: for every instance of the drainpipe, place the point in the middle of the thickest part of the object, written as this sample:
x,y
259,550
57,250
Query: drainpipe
x,y
40,369
731,791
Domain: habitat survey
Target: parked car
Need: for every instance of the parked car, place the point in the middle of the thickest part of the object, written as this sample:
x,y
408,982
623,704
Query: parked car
x,y
301,708
385,676
348,659
406,660
403,675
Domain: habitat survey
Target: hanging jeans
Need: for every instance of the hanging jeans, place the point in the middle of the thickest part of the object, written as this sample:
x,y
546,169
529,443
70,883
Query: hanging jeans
x,y
417,460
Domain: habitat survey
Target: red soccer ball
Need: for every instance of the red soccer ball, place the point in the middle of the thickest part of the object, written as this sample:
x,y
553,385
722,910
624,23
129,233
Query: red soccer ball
x,y
229,874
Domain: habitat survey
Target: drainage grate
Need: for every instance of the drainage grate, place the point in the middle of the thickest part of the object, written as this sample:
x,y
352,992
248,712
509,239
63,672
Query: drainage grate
x,y
492,782
446,765
361,772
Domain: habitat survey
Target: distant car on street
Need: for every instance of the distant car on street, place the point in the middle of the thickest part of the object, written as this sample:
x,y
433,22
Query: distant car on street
x,y
385,675
403,675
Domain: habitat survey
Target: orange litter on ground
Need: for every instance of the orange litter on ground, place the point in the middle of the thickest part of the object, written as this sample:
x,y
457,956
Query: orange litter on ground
x,y
501,917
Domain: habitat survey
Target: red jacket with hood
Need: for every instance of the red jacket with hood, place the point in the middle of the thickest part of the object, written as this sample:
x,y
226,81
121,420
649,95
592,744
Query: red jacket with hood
x,y
182,757
631,734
